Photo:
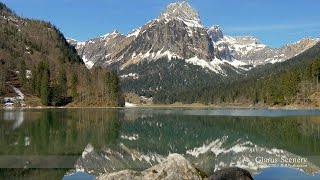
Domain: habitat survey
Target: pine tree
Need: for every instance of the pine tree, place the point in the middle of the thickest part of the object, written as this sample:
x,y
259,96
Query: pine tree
x,y
34,81
45,86
63,83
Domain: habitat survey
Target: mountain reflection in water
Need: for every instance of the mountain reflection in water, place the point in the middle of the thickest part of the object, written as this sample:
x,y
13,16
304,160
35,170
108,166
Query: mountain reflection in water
x,y
106,140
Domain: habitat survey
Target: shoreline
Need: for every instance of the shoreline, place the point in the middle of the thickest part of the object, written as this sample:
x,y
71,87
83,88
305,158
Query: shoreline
x,y
195,106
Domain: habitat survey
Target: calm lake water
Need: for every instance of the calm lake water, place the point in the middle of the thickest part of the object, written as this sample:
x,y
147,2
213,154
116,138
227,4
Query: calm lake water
x,y
83,143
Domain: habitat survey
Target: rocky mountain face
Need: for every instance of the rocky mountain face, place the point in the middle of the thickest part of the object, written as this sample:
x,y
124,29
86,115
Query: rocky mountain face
x,y
249,50
97,49
178,32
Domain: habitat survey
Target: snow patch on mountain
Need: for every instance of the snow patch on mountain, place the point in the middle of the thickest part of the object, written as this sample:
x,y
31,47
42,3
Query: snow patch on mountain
x,y
243,45
188,40
134,33
113,33
149,55
181,11
236,63
214,65
80,45
89,64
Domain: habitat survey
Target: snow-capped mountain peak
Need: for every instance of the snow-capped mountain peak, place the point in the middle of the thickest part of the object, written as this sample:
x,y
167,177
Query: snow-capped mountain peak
x,y
247,40
215,33
178,32
112,34
181,11
134,32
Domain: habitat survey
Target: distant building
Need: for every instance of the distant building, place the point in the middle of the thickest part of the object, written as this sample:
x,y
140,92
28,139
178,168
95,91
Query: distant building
x,y
9,99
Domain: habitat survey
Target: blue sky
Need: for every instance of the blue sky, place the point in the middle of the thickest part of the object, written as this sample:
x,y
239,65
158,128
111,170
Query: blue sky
x,y
274,22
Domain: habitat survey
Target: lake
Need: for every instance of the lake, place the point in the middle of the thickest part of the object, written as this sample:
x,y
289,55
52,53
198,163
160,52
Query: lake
x,y
83,143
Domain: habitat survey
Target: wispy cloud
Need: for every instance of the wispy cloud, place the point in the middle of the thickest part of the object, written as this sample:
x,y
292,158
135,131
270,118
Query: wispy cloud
x,y
274,27
316,30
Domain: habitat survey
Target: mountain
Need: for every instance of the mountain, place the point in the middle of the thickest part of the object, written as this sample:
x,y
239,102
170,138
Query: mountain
x,y
295,81
178,32
208,146
175,58
250,51
97,49
38,64
97,162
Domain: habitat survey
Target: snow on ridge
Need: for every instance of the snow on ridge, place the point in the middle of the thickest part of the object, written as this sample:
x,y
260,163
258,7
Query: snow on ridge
x,y
134,32
81,43
182,11
303,39
243,46
187,22
169,54
113,33
71,39
191,23
154,55
213,65
105,36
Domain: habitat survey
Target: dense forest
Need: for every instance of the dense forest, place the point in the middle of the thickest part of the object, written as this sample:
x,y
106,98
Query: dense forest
x,y
289,82
163,78
36,58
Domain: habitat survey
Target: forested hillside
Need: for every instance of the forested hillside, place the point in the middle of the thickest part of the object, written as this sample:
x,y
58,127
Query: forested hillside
x,y
35,57
289,82
170,81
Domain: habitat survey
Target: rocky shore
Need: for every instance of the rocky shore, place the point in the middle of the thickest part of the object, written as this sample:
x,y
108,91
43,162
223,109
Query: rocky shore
x,y
176,167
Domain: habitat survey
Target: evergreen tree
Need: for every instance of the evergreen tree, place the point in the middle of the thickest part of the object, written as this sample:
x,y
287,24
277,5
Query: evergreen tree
x,y
34,81
63,83
56,92
315,68
45,85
